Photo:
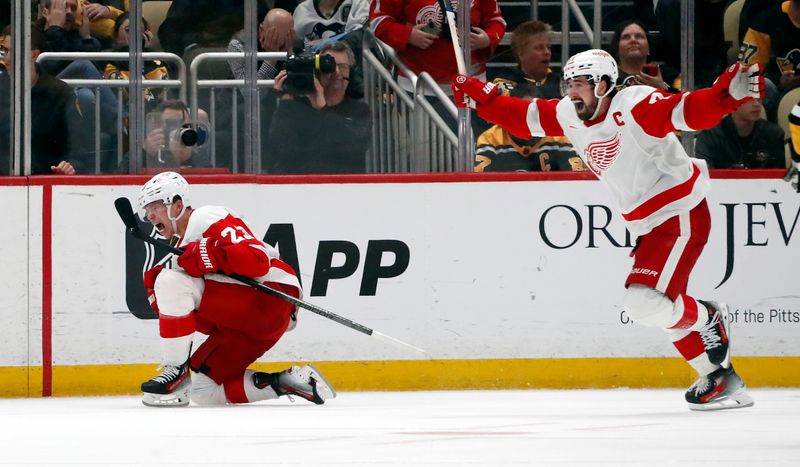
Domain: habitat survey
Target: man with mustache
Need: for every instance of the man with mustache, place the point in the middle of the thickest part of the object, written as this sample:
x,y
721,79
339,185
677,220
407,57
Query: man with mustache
x,y
626,137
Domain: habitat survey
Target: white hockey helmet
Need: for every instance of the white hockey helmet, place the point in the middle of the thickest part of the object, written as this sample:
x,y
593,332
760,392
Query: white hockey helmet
x,y
595,64
164,187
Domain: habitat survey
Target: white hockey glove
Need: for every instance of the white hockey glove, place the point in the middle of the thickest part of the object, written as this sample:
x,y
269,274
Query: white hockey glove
x,y
793,176
738,83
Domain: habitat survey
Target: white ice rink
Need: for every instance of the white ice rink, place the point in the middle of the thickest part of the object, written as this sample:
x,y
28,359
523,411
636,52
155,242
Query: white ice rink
x,y
486,428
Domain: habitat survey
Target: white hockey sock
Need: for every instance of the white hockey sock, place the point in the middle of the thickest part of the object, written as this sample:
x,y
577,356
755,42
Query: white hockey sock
x,y
175,350
255,394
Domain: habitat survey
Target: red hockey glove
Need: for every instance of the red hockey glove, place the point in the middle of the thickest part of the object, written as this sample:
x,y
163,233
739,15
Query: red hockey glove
x,y
202,257
469,91
150,276
737,85
149,281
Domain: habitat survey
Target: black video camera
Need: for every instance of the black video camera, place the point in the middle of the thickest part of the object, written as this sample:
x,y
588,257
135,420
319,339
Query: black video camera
x,y
302,67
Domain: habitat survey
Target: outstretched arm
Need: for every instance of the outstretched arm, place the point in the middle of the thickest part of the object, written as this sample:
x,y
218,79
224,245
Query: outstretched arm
x,y
659,113
520,117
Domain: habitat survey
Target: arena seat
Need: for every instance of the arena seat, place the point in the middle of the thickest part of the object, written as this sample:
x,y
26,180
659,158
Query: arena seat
x,y
731,29
154,11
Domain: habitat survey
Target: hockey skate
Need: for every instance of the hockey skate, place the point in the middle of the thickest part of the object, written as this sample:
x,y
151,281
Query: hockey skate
x,y
169,389
722,389
715,334
306,382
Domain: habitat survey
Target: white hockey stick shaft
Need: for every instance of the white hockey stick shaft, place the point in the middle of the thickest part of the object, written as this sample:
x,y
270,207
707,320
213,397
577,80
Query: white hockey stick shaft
x,y
451,22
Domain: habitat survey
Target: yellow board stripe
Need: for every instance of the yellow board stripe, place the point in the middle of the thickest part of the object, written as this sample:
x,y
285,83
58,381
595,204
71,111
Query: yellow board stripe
x,y
421,375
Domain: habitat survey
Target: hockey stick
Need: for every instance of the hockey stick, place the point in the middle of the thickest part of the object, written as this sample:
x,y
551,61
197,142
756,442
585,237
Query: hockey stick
x,y
450,17
125,211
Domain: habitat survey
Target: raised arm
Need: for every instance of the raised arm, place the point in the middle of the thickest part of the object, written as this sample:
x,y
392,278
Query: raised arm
x,y
520,117
660,113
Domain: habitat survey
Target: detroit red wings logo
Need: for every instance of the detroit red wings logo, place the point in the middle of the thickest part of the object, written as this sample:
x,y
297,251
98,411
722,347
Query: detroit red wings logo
x,y
601,154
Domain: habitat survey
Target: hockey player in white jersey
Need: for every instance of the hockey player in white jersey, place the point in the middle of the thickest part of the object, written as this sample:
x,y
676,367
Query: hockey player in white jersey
x,y
242,323
626,137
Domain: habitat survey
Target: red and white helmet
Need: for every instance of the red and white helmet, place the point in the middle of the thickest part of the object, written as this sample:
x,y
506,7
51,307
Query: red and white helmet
x,y
164,187
595,64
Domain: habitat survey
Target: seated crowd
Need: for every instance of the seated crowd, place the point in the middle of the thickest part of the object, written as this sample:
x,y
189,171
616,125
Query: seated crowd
x,y
322,124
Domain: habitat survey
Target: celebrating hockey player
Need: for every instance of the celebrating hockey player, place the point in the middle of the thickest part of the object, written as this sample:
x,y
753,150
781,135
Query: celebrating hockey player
x,y
241,322
626,138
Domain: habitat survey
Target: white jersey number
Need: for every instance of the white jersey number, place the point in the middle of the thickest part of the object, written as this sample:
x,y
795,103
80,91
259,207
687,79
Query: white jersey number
x,y
236,234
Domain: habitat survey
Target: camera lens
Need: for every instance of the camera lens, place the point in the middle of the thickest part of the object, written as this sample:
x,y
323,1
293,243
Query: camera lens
x,y
327,64
188,137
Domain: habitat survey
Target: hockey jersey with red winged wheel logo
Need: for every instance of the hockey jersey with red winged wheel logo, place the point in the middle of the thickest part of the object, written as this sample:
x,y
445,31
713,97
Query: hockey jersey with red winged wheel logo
x,y
633,150
601,155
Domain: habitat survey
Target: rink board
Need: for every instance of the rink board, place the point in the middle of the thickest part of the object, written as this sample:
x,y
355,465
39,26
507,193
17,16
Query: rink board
x,y
507,281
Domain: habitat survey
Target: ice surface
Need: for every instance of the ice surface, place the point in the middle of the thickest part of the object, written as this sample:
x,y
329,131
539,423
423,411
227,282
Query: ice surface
x,y
454,428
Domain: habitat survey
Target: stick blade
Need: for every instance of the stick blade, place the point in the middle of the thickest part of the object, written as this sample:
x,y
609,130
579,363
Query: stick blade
x,y
125,211
398,343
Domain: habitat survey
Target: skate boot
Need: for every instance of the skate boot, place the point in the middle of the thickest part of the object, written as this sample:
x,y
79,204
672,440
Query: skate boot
x,y
715,334
306,382
169,389
722,389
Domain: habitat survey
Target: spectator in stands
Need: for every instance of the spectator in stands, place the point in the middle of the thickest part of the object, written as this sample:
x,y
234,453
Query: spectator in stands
x,y
55,122
58,22
530,44
275,34
710,56
630,45
319,22
203,22
500,151
773,40
60,35
324,132
153,69
417,30
163,142
793,174
316,20
103,14
750,10
743,139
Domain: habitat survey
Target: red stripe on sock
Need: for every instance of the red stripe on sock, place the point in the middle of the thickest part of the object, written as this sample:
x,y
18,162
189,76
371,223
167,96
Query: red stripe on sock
x,y
176,326
689,313
234,391
690,346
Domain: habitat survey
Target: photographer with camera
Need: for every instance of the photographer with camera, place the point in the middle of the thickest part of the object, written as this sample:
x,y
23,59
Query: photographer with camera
x,y
320,128
172,140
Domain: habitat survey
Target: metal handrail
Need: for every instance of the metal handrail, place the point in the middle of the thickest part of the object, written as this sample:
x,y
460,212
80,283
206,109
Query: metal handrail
x,y
431,148
425,81
179,83
195,84
166,56
198,60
